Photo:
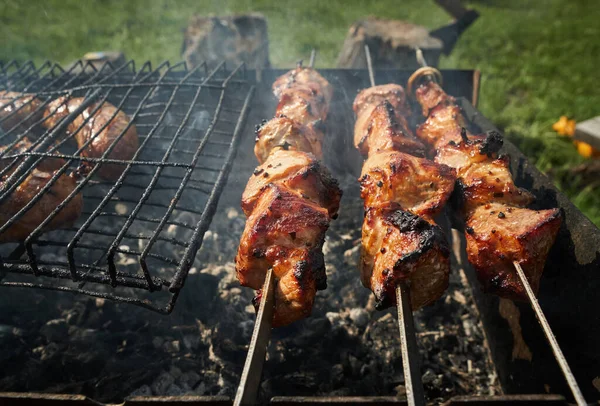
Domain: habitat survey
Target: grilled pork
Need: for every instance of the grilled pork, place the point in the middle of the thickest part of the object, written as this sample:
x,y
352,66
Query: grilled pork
x,y
45,205
402,192
498,234
18,109
302,76
298,171
499,230
8,155
289,199
284,133
383,128
108,129
285,232
400,246
303,105
418,185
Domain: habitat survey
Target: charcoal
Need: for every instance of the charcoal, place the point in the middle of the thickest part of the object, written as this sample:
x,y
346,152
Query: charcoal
x,y
55,330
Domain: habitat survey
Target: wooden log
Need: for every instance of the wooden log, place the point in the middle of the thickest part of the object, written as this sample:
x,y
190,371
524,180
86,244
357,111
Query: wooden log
x,y
233,39
392,44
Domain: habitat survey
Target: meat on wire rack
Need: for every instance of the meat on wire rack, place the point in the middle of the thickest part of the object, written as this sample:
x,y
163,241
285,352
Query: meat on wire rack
x,y
140,233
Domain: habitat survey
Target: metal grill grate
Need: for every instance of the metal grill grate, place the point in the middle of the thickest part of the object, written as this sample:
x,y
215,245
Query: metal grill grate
x,y
138,234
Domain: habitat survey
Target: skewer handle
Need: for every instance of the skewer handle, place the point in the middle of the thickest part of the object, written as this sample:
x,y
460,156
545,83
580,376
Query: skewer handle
x,y
558,354
248,390
410,352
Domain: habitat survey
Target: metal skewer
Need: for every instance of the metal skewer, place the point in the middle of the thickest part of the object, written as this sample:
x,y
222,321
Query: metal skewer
x,y
250,381
251,374
558,354
408,340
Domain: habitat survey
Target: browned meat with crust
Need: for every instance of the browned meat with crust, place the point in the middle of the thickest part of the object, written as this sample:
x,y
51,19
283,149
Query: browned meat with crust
x,y
48,202
298,171
498,234
102,128
498,230
286,232
304,77
483,176
303,105
398,245
296,286
284,133
375,95
443,125
20,109
383,128
430,94
281,221
418,185
21,147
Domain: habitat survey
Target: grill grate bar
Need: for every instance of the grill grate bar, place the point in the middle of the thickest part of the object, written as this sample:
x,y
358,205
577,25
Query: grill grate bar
x,y
149,190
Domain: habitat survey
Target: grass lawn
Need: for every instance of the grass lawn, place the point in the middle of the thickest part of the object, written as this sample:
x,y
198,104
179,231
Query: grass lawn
x,y
539,58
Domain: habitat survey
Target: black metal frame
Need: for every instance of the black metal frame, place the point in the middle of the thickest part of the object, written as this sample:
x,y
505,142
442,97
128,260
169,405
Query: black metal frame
x,y
187,172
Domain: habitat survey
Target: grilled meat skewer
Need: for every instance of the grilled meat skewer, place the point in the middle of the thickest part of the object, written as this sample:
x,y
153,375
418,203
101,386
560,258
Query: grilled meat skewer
x,y
402,192
498,228
103,128
289,199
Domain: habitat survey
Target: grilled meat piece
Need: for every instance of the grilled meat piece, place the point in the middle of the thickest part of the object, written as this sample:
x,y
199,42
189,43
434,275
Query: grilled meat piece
x,y
303,105
418,185
443,125
282,221
430,94
398,245
298,171
103,129
48,202
304,77
383,128
483,177
285,133
498,234
18,109
296,286
21,147
373,96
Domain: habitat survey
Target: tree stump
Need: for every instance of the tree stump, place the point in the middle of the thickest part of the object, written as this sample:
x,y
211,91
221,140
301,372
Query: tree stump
x,y
391,43
233,39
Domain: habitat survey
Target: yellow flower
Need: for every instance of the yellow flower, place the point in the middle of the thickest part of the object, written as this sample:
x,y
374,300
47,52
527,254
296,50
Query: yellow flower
x,y
586,150
564,126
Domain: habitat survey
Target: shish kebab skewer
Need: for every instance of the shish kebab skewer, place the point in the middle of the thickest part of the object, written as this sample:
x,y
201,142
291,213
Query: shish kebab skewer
x,y
405,255
289,199
301,173
507,243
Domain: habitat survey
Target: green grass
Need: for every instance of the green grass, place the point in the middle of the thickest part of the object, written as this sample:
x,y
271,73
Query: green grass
x,y
539,58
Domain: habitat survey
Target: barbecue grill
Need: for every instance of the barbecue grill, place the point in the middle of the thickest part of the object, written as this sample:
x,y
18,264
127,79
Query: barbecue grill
x,y
138,236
